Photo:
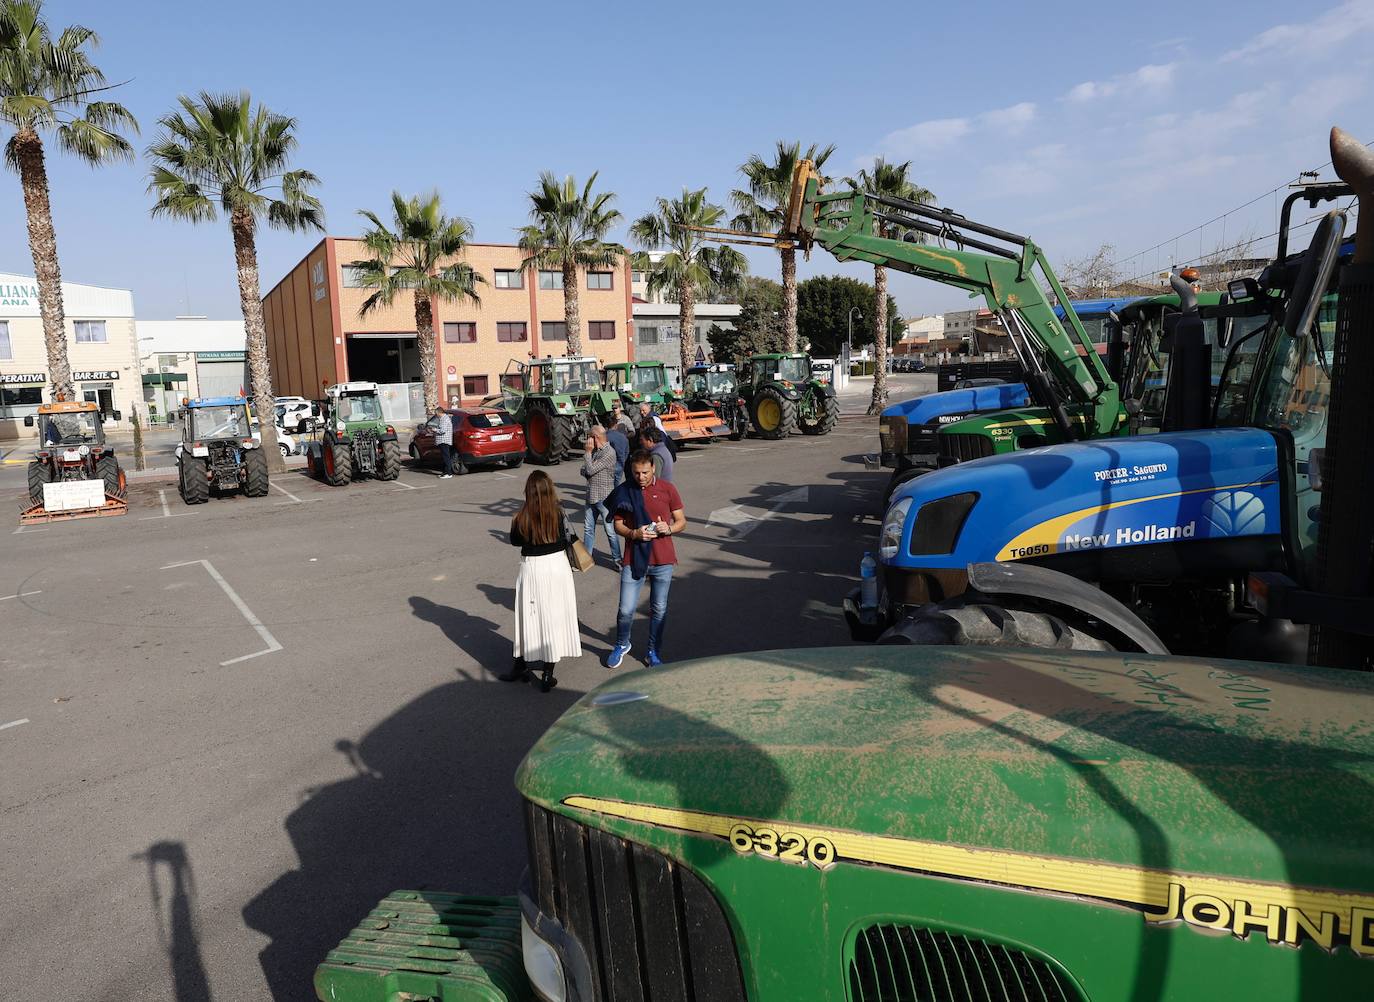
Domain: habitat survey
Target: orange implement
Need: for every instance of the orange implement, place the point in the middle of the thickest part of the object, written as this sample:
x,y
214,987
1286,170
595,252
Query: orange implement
x,y
682,425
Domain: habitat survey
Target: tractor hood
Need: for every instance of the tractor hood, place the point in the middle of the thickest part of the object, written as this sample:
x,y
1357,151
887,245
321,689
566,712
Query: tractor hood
x,y
1101,775
924,409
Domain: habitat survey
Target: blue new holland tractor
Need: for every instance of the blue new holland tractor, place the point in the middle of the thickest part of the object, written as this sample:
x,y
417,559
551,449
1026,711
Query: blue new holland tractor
x,y
219,450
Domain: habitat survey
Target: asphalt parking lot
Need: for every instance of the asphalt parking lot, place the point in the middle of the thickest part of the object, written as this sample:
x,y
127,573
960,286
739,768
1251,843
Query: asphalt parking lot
x,y
228,730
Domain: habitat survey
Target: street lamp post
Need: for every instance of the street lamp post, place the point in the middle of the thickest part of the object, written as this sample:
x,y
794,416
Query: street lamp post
x,y
849,342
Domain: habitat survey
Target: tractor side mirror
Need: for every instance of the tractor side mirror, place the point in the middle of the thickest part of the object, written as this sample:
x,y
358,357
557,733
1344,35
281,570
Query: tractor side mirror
x,y
116,415
28,420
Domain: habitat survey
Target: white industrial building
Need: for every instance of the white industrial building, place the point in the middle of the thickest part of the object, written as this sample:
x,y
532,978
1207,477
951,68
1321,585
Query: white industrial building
x,y
190,357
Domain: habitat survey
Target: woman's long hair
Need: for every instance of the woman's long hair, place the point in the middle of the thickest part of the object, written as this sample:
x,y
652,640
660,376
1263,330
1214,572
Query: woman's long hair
x,y
540,519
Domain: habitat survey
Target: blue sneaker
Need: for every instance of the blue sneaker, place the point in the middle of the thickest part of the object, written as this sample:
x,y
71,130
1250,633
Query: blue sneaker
x,y
652,659
616,656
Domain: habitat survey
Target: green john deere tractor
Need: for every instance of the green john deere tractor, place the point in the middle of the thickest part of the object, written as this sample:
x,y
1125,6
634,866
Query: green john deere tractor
x,y
357,441
783,396
556,400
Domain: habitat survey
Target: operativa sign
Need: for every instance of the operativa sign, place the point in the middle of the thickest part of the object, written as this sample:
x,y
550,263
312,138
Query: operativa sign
x,y
1281,913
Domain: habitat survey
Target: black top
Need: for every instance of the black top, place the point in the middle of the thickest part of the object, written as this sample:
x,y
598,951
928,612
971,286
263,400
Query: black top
x,y
535,549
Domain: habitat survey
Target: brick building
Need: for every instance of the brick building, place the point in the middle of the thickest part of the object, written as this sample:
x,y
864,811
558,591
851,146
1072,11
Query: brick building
x,y
316,337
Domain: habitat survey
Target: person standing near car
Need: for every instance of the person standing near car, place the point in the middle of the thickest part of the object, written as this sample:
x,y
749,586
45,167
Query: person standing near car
x,y
648,513
546,627
599,467
443,438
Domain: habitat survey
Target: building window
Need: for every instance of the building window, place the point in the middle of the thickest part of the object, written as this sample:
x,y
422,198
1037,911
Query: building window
x,y
511,332
352,277
460,333
6,349
90,332
553,330
474,386
452,392
601,330
648,335
599,280
637,277
20,396
550,280
509,278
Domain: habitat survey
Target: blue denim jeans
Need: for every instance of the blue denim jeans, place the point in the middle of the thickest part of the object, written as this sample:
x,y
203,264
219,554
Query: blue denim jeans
x,y
598,513
660,579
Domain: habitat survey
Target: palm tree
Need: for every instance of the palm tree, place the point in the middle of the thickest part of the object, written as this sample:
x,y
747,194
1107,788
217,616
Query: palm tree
x,y
761,208
412,256
569,232
892,181
692,264
46,86
219,150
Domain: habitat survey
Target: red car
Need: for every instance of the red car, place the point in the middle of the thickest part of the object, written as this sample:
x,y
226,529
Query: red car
x,y
481,436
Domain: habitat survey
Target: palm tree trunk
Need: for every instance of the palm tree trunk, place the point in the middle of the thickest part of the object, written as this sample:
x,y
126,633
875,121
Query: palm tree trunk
x,y
880,341
33,176
789,298
424,344
242,225
572,311
687,326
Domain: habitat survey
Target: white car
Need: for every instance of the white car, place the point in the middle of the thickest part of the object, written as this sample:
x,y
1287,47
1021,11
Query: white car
x,y
297,413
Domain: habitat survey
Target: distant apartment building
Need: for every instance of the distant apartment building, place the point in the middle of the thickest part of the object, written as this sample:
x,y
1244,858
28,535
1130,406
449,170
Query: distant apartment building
x,y
101,348
920,332
316,336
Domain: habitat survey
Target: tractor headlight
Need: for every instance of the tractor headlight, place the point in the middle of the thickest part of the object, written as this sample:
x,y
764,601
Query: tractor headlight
x,y
84,451
542,965
339,427
890,539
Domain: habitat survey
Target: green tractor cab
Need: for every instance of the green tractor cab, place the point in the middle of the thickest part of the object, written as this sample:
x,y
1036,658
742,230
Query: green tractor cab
x,y
219,450
357,441
715,387
556,401
639,383
783,396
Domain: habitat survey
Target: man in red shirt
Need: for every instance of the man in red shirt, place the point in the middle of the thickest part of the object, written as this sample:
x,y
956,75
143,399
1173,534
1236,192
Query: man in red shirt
x,y
647,514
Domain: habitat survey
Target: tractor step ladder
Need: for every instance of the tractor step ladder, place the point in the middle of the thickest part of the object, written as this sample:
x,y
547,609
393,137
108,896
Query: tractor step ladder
x,y
430,945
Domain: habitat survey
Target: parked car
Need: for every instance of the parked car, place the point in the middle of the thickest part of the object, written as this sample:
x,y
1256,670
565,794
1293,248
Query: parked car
x,y
481,436
964,384
297,414
288,444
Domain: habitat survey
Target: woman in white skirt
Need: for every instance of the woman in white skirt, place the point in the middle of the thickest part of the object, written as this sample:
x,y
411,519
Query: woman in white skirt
x,y
546,627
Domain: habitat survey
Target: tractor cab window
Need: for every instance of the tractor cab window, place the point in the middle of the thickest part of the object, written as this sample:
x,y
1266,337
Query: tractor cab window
x,y
571,377
646,380
720,382
219,422
1296,391
696,384
796,370
360,408
76,428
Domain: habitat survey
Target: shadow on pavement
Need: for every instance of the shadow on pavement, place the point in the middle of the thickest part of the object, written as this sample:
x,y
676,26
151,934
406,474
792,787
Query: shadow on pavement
x,y
427,805
176,920
479,638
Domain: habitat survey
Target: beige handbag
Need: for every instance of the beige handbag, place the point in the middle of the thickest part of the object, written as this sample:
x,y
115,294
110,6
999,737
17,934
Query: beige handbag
x,y
578,556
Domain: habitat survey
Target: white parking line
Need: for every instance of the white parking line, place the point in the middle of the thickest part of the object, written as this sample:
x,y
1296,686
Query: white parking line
x,y
411,487
253,621
22,594
30,528
14,723
512,476
294,499
166,512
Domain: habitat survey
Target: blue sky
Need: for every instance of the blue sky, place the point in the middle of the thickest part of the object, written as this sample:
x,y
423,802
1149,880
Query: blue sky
x,y
1078,124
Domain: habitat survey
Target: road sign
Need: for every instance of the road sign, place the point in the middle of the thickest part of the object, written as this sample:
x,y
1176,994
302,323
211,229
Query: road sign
x,y
701,355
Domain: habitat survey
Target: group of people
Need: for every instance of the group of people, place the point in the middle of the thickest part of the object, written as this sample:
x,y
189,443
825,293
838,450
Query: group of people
x,y
630,491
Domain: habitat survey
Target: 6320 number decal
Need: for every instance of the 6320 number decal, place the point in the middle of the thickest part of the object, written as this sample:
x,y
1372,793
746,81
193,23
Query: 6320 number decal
x,y
790,847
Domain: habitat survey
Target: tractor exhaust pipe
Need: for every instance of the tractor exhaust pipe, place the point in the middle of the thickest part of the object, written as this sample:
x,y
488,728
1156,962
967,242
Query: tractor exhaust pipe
x,y
1345,549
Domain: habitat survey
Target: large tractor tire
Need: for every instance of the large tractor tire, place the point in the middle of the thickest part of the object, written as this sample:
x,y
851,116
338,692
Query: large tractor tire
x,y
824,418
900,477
389,462
195,482
774,416
255,482
39,474
107,469
547,437
337,462
977,621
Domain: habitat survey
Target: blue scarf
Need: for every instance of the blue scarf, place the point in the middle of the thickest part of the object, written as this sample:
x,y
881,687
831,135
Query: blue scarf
x,y
628,500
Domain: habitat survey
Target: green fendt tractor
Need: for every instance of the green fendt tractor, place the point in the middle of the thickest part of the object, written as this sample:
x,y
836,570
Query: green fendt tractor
x,y
784,397
556,400
357,440
639,383
714,387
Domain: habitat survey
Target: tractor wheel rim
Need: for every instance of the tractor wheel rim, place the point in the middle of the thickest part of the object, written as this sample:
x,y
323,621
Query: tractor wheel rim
x,y
770,414
539,434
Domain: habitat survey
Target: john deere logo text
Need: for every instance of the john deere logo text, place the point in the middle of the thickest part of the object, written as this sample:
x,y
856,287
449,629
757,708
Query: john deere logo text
x,y
1280,923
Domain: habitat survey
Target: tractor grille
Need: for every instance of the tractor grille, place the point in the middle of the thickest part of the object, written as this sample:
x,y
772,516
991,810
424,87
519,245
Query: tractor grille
x,y
365,452
651,930
962,448
903,963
